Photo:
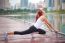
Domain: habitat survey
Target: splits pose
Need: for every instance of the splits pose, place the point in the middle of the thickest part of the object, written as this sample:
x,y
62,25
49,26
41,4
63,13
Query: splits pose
x,y
36,26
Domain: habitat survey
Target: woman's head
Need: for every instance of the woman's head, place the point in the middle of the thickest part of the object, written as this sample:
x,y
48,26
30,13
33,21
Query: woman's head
x,y
40,12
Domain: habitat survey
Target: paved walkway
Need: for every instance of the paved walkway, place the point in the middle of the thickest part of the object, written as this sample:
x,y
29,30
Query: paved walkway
x,y
7,25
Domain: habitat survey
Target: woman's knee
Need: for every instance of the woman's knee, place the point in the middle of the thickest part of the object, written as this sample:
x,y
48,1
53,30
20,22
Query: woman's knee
x,y
41,31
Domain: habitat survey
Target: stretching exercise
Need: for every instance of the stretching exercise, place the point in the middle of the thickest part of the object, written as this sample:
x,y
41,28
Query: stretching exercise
x,y
36,26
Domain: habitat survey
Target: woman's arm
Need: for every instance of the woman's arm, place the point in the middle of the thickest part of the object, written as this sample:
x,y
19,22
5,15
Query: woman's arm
x,y
51,28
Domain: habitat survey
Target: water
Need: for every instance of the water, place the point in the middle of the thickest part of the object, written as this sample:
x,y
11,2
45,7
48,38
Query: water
x,y
25,17
19,22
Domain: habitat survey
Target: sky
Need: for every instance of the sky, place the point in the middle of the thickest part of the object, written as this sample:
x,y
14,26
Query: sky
x,y
35,1
13,2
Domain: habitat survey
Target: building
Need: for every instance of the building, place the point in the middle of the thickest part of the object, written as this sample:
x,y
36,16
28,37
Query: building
x,y
24,3
49,4
63,4
4,4
32,6
55,4
17,6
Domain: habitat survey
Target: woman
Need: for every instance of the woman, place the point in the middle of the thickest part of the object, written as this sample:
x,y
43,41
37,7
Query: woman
x,y
36,27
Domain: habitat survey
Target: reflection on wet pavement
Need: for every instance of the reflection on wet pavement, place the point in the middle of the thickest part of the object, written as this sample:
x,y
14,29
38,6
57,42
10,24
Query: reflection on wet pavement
x,y
7,25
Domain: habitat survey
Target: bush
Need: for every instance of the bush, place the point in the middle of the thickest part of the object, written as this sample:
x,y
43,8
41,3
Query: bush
x,y
57,11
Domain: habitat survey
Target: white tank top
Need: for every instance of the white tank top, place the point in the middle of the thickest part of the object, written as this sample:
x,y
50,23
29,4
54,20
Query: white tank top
x,y
38,24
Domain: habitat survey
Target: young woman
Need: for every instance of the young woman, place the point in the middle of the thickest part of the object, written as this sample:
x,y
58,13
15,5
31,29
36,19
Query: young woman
x,y
36,27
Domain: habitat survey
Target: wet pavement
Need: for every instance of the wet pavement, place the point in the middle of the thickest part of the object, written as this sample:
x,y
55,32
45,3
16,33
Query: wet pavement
x,y
35,39
8,25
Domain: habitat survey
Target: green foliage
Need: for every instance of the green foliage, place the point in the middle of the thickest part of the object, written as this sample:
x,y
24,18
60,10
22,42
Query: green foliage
x,y
57,11
15,11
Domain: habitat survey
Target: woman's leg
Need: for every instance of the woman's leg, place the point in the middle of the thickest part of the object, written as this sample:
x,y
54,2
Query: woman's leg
x,y
41,31
30,30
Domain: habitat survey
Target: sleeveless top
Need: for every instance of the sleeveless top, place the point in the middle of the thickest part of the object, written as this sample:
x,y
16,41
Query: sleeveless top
x,y
38,24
